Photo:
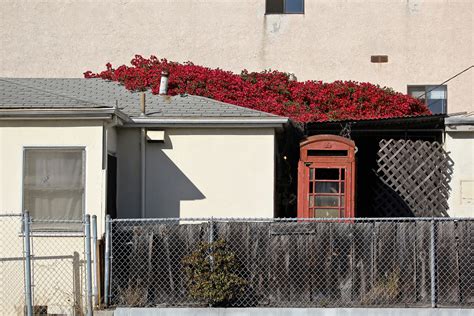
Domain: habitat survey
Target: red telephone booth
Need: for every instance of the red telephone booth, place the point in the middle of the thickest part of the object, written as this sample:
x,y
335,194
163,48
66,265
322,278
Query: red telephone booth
x,y
326,177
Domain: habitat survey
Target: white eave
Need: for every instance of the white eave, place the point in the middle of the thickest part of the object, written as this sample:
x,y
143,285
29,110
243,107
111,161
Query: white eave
x,y
463,122
110,113
61,113
275,122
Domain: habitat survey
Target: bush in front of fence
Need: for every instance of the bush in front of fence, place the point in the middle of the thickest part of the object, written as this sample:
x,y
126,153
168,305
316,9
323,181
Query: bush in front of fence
x,y
212,274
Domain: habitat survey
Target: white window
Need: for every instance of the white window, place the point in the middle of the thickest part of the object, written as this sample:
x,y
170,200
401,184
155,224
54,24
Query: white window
x,y
433,96
284,6
54,186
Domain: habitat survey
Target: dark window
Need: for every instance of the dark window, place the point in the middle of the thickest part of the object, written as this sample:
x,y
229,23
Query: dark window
x,y
315,152
284,6
435,97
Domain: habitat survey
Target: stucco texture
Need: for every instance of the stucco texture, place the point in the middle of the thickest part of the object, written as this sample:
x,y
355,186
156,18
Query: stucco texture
x,y
460,146
198,172
58,263
427,41
15,135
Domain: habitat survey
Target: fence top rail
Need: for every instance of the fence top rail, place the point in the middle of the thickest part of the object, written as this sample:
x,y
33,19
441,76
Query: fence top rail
x,y
258,219
66,221
11,215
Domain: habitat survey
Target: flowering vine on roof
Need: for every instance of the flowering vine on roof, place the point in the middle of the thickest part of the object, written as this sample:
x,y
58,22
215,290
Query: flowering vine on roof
x,y
268,91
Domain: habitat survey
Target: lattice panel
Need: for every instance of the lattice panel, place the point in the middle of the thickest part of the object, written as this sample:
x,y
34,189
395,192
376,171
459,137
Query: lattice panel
x,y
419,172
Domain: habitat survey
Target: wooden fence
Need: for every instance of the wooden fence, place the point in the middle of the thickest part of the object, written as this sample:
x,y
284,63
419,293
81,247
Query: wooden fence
x,y
302,264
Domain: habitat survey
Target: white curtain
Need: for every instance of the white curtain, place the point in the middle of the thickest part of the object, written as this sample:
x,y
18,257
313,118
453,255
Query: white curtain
x,y
54,183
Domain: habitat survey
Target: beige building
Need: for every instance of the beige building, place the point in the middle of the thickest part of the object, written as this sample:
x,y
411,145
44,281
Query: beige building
x,y
187,156
460,145
425,42
70,147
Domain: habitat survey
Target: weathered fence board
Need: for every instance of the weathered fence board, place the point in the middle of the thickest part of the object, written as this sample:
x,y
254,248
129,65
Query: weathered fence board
x,y
447,263
363,261
329,263
466,260
406,260
423,276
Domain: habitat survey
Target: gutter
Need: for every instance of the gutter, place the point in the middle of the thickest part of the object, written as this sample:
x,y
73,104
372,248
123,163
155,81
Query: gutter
x,y
108,113
208,122
62,113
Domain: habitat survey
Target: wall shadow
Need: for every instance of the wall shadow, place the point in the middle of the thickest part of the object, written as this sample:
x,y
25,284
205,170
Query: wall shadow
x,y
166,184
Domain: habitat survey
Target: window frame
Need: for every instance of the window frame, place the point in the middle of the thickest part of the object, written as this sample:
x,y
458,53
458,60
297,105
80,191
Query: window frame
x,y
284,9
427,90
68,232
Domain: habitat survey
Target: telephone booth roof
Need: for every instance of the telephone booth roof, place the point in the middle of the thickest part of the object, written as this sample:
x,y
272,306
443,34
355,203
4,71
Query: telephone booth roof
x,y
327,138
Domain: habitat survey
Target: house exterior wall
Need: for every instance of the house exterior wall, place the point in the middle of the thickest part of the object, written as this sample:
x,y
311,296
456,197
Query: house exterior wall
x,y
111,139
15,135
199,172
460,146
58,263
427,41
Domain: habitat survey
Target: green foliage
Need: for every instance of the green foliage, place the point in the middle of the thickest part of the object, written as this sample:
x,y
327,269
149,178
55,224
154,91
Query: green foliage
x,y
212,274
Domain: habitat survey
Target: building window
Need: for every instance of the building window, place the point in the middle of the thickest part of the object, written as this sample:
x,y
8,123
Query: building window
x,y
284,6
54,187
435,97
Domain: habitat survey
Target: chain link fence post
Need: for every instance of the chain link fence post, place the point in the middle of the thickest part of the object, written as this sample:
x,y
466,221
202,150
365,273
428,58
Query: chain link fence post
x,y
87,228
211,240
107,260
433,264
94,260
27,245
289,262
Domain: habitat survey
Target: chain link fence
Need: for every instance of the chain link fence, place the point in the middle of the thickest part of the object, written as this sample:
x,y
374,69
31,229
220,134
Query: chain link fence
x,y
43,266
406,262
12,288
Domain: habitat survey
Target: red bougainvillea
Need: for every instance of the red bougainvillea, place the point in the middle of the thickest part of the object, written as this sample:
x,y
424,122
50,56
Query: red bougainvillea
x,y
269,91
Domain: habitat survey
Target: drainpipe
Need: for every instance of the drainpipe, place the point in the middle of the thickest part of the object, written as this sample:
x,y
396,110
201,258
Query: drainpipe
x,y
142,158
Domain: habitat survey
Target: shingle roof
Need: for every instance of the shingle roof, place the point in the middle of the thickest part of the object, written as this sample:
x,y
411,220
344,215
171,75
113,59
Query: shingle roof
x,y
460,119
51,93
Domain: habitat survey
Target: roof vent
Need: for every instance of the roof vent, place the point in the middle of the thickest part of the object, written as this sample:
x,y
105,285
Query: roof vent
x,y
379,59
164,82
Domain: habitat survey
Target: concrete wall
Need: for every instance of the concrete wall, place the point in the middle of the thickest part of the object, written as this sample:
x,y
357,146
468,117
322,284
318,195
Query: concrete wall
x,y
15,135
427,41
199,173
461,148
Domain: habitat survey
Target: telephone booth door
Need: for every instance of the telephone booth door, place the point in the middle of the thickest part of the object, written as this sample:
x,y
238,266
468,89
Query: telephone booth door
x,y
326,177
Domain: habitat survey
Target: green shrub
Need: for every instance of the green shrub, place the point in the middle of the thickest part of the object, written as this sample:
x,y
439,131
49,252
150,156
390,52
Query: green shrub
x,y
212,274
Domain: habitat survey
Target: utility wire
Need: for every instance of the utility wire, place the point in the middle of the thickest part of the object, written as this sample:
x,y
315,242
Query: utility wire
x,y
442,83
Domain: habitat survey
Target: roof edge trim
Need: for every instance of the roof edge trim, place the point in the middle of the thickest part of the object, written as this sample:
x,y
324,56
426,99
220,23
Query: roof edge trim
x,y
274,121
15,114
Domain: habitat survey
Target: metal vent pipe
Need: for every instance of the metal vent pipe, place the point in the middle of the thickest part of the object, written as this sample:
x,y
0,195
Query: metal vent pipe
x,y
164,82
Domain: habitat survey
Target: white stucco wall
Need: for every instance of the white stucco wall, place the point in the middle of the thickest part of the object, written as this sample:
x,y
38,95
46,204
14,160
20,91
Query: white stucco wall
x,y
460,146
15,135
58,263
427,41
199,173
111,139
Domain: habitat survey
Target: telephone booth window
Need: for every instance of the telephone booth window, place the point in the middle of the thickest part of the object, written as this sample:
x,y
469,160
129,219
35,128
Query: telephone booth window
x,y
325,172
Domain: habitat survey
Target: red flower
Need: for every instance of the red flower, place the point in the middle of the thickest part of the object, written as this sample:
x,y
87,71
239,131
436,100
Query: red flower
x,y
269,91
